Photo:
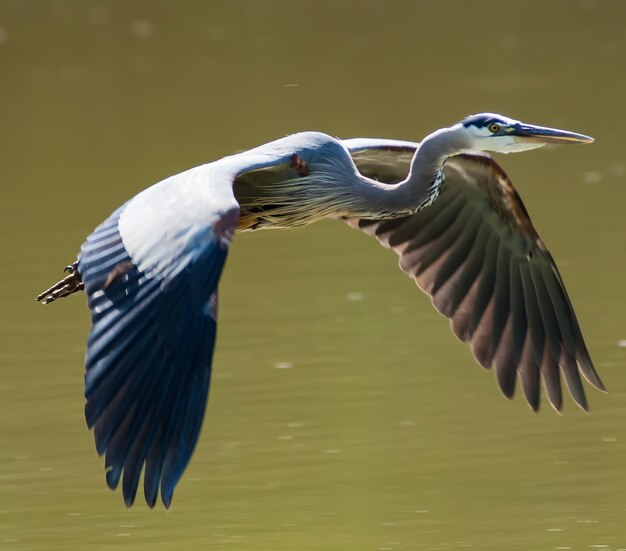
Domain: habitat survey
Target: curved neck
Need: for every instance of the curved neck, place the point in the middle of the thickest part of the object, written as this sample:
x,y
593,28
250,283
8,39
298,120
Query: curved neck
x,y
422,185
335,187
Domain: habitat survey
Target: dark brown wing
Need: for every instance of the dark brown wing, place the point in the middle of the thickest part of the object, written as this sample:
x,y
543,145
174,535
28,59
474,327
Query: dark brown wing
x,y
477,254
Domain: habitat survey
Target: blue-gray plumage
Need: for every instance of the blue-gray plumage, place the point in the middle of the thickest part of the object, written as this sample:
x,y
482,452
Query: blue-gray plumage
x,y
151,273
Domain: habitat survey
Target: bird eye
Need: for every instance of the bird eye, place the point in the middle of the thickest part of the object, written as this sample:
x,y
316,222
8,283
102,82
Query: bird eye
x,y
494,127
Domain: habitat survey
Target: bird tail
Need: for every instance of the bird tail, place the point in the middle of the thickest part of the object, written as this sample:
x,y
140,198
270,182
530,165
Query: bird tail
x,y
68,285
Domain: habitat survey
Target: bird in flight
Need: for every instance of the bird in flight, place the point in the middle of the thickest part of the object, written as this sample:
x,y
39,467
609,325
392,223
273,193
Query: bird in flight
x,y
151,271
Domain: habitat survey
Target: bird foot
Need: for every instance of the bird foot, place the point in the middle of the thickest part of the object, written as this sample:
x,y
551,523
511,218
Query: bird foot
x,y
68,285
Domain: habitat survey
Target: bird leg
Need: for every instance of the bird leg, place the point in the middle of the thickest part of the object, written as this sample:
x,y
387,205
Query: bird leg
x,y
68,285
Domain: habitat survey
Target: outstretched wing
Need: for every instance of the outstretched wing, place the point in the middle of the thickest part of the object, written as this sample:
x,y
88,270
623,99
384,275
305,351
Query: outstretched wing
x,y
151,272
478,256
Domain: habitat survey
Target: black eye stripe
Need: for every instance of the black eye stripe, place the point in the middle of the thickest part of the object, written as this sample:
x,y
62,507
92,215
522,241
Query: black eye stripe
x,y
480,121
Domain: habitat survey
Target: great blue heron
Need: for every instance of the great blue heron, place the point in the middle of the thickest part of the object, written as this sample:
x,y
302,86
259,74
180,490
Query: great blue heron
x,y
151,273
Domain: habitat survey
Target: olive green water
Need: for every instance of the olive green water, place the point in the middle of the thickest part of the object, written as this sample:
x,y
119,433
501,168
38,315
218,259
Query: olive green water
x,y
343,414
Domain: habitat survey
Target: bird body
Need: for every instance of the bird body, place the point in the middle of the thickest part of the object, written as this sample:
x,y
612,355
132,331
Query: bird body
x,y
151,273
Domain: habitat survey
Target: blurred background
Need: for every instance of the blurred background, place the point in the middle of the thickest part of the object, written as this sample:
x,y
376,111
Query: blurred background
x,y
343,414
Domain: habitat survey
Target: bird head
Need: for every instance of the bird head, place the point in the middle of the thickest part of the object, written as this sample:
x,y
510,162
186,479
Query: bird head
x,y
493,132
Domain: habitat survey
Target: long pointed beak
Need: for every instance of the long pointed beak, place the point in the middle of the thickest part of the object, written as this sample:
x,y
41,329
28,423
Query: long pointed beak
x,y
545,135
